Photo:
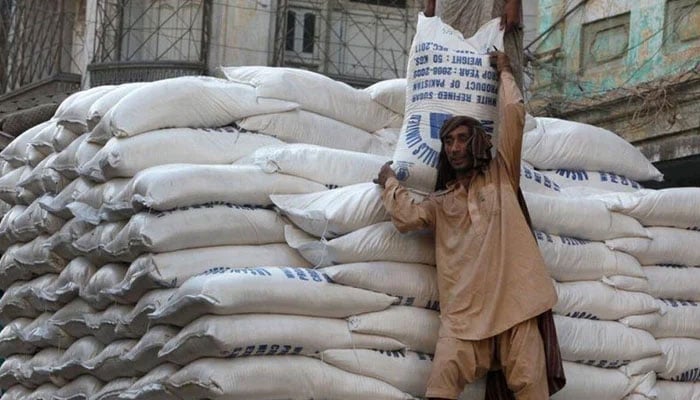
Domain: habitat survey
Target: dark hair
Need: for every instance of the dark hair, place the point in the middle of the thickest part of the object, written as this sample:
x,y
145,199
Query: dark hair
x,y
480,148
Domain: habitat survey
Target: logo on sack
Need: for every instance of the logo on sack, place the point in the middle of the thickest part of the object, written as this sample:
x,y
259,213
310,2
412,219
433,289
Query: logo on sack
x,y
436,122
264,350
676,266
679,303
535,176
618,179
420,149
573,241
305,274
582,315
402,172
690,375
574,175
610,364
543,236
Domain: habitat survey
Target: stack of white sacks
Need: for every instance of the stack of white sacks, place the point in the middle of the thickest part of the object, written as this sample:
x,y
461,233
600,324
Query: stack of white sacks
x,y
599,234
28,264
669,259
145,262
596,286
120,230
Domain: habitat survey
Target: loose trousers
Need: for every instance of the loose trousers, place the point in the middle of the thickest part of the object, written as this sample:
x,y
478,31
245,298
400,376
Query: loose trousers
x,y
519,351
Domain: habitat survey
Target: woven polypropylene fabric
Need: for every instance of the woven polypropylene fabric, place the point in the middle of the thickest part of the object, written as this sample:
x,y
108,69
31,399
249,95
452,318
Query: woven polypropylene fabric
x,y
5,139
20,121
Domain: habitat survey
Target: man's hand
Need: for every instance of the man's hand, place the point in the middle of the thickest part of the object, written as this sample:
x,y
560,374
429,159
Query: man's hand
x,y
500,61
429,10
510,20
385,173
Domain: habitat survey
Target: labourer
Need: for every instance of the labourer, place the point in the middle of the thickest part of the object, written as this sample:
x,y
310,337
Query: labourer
x,y
492,280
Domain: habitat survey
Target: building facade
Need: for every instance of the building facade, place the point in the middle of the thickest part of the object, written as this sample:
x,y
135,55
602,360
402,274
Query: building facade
x,y
630,66
358,41
55,47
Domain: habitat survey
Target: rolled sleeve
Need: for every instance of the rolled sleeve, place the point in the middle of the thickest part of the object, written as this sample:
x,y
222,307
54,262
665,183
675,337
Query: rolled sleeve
x,y
406,213
511,124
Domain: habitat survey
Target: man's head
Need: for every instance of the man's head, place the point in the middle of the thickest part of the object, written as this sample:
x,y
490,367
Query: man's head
x,y
465,146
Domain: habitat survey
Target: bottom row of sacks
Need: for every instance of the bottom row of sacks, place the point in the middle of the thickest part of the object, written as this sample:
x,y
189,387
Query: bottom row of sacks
x,y
278,333
332,374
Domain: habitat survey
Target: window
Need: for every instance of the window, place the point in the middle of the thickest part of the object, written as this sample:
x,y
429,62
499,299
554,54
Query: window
x,y
682,23
301,32
604,42
309,32
291,27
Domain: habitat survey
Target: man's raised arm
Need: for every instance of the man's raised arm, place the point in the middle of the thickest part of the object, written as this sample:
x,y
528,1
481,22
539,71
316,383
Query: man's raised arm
x,y
429,9
406,214
511,117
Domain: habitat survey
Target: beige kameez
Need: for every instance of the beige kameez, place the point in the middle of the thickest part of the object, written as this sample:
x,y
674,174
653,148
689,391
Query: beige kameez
x,y
491,275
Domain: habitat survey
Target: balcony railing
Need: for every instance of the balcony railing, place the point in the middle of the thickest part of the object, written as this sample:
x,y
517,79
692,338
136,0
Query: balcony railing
x,y
137,40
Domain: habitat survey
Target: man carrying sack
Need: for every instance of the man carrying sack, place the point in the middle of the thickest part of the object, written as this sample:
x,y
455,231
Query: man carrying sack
x,y
495,293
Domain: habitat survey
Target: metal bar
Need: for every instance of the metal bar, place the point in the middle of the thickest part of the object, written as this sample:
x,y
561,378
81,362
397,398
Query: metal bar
x,y
155,31
159,27
334,50
29,69
119,34
326,55
188,24
5,13
280,33
19,69
178,40
349,15
206,30
18,38
98,47
61,27
112,26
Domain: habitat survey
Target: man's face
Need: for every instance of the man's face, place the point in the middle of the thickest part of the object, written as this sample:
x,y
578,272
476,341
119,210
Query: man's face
x,y
457,144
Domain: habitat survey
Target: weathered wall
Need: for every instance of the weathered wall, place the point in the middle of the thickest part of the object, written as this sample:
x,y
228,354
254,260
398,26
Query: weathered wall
x,y
242,33
530,20
629,66
609,44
